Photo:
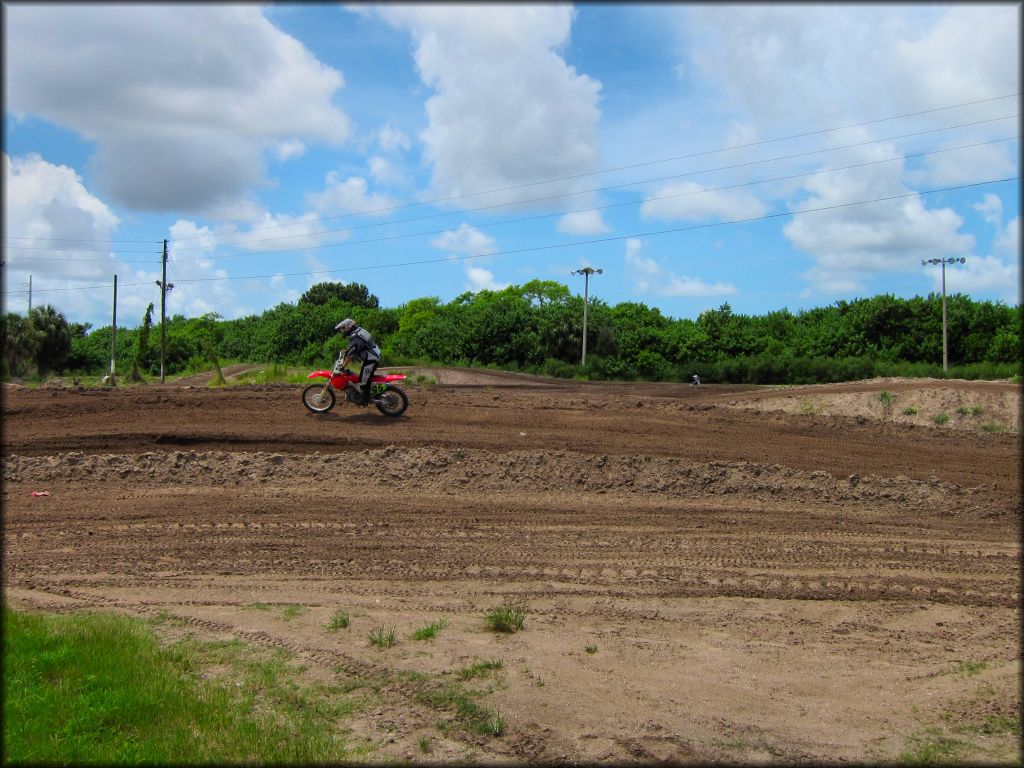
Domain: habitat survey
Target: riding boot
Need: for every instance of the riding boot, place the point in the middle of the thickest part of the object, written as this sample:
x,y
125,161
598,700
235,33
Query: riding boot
x,y
365,394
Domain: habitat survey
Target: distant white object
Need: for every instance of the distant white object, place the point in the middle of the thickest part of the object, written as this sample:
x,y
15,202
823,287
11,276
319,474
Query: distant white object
x,y
696,381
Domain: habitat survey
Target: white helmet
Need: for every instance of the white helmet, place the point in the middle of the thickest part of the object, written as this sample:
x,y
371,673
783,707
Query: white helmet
x,y
346,325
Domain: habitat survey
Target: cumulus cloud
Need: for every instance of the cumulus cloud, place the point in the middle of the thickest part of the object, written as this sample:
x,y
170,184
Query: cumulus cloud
x,y
392,139
981,274
471,242
56,231
689,201
1008,241
583,223
851,241
847,59
350,195
967,166
467,240
507,108
649,277
183,102
386,173
991,208
480,279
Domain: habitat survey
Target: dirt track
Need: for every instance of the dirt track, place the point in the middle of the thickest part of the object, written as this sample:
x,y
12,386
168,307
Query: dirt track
x,y
708,576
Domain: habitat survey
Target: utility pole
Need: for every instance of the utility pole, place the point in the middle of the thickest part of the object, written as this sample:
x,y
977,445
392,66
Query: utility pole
x,y
944,262
164,288
113,338
30,294
586,272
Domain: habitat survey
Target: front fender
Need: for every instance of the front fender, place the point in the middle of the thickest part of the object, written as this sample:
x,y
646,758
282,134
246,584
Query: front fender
x,y
319,375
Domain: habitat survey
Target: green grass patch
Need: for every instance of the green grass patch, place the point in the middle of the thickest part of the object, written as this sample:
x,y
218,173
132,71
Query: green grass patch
x,y
808,408
383,637
96,688
887,398
931,747
969,668
291,611
991,426
591,648
479,669
430,631
274,373
508,617
940,418
450,696
909,411
339,620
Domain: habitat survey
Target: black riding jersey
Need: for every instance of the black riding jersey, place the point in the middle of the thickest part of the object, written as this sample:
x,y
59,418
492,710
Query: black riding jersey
x,y
362,347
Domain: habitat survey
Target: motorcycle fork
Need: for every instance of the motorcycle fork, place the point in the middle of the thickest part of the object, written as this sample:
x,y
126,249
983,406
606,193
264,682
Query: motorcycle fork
x,y
323,392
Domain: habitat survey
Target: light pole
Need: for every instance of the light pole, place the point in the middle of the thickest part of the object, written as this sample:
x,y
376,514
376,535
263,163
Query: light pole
x,y
944,262
586,272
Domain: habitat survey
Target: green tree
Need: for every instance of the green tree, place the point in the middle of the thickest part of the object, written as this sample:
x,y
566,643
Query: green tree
x,y
356,294
142,344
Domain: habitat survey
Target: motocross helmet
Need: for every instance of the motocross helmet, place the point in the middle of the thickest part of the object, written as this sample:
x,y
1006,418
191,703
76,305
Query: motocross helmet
x,y
346,326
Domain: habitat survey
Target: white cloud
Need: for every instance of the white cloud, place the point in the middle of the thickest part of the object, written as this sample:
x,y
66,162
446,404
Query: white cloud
x,y
181,101
981,274
689,201
480,279
385,173
847,58
286,150
852,240
348,196
583,223
991,208
507,108
280,232
471,242
55,230
466,240
967,166
970,52
392,139
1008,241
648,277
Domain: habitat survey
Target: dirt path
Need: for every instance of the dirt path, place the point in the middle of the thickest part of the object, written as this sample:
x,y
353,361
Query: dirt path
x,y
705,578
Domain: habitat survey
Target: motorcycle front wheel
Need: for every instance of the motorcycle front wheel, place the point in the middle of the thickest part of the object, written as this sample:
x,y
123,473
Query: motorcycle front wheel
x,y
392,402
319,398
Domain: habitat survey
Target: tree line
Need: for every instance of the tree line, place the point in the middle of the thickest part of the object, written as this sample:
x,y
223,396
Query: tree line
x,y
537,327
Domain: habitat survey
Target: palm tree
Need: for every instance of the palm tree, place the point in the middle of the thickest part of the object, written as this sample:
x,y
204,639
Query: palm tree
x,y
21,343
54,336
140,350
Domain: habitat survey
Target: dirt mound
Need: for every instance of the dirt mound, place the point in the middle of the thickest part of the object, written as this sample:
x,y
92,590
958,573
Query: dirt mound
x,y
475,471
939,403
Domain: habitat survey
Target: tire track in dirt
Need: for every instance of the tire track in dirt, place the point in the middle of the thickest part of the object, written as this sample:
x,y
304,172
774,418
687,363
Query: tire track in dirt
x,y
706,549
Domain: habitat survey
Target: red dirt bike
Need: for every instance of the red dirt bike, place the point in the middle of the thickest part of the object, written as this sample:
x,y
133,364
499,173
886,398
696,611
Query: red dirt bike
x,y
389,399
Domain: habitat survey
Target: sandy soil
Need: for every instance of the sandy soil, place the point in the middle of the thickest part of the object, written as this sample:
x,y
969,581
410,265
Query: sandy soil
x,y
729,574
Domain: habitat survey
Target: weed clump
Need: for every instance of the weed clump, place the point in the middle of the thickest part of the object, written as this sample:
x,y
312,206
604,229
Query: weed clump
x,y
508,617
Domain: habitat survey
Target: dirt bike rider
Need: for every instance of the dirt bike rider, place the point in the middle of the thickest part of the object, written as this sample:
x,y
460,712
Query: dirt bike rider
x,y
361,346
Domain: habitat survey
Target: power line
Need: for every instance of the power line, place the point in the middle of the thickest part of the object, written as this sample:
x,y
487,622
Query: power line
x,y
616,237
595,189
634,165
539,217
554,246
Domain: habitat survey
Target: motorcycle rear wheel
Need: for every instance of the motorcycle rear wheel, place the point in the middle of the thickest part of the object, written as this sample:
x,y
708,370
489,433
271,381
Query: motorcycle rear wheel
x,y
318,398
392,402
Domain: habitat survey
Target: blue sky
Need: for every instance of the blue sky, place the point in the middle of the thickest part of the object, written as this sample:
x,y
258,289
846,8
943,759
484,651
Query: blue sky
x,y
763,155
